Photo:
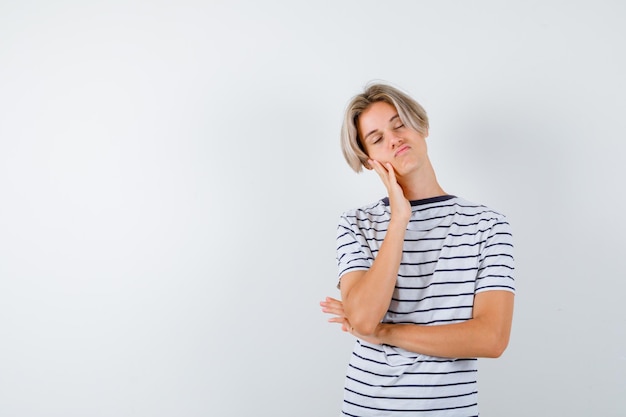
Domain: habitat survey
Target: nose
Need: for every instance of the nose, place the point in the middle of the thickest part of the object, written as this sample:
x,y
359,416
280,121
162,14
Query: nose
x,y
394,139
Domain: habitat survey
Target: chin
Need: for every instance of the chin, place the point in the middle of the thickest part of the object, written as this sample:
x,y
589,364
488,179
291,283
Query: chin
x,y
405,169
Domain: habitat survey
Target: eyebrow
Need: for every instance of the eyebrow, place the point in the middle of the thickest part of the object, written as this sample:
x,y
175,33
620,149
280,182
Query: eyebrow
x,y
375,130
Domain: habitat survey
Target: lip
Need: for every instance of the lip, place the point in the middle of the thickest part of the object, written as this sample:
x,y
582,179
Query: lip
x,y
402,150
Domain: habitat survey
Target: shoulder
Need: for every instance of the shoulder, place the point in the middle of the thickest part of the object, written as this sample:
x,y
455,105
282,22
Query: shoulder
x,y
369,217
377,208
476,209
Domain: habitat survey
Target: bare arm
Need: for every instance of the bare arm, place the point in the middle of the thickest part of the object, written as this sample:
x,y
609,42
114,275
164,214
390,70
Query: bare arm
x,y
366,294
486,334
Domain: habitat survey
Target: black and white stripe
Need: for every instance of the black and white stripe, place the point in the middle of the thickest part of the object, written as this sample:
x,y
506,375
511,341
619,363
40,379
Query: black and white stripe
x,y
453,249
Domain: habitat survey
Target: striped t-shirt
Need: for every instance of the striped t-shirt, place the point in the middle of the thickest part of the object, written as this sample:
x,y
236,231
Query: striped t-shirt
x,y
453,249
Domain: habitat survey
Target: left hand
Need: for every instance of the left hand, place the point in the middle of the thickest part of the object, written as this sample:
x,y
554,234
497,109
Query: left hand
x,y
335,307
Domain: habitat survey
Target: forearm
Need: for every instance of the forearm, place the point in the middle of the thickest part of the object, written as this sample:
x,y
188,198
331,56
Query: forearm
x,y
462,340
485,335
367,299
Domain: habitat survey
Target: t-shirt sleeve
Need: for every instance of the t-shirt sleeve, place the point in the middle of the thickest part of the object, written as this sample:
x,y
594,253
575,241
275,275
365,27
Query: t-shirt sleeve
x,y
496,263
352,250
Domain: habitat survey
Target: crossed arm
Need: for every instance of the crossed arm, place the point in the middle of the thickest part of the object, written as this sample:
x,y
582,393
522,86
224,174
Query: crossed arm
x,y
486,334
367,294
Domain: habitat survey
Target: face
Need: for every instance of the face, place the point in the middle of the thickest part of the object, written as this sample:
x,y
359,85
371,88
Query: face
x,y
386,138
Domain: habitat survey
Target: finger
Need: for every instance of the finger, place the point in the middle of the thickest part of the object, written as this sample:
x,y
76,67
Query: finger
x,y
337,311
391,172
329,300
379,168
325,305
332,305
382,172
332,302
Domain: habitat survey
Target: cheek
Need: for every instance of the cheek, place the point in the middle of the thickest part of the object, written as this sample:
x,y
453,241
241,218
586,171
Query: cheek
x,y
381,157
376,154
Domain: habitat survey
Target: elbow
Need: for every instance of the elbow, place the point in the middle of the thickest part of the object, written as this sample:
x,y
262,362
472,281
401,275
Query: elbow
x,y
496,345
495,351
362,321
364,327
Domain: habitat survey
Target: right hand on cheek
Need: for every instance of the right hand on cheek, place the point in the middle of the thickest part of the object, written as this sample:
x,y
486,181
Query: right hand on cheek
x,y
398,203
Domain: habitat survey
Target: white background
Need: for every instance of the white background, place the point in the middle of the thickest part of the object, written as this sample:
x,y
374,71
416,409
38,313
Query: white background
x,y
171,180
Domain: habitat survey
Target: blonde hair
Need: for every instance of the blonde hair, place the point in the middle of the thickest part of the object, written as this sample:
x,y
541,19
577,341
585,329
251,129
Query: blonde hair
x,y
411,113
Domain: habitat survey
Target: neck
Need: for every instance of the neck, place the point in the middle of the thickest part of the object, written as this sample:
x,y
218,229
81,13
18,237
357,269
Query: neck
x,y
421,184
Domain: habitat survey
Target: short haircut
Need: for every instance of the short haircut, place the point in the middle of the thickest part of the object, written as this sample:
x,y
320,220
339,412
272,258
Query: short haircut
x,y
411,113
